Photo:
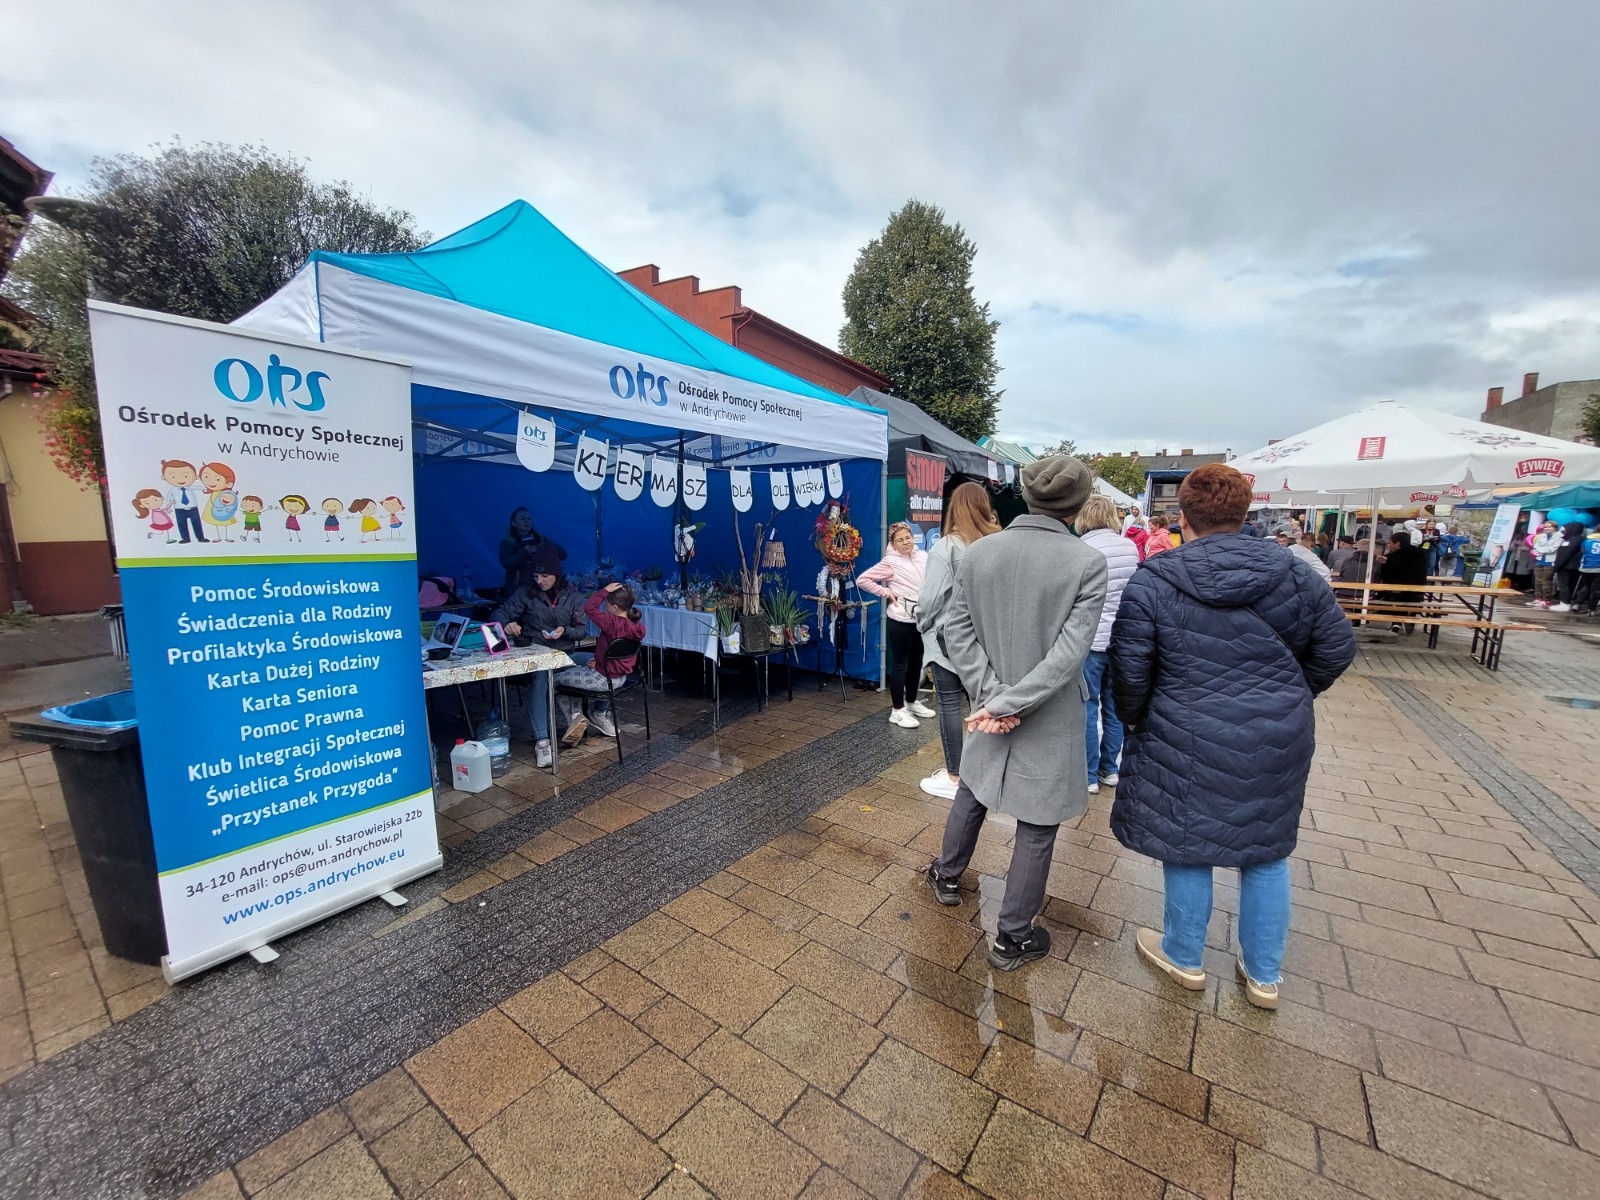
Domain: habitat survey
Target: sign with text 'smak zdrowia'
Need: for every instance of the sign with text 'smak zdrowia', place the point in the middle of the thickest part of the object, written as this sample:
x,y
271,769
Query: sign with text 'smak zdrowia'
x,y
261,497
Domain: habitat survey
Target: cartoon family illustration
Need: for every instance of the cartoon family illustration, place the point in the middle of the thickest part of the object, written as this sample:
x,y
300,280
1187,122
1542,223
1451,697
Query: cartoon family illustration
x,y
207,498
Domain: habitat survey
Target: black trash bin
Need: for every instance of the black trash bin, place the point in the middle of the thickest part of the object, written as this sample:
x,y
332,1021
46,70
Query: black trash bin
x,y
95,744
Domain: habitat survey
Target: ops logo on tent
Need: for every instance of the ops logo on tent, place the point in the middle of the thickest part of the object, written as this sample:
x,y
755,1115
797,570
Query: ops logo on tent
x,y
238,371
641,383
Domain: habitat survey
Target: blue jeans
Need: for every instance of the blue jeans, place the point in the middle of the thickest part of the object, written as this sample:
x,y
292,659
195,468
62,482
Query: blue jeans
x,y
1105,744
1433,559
1263,916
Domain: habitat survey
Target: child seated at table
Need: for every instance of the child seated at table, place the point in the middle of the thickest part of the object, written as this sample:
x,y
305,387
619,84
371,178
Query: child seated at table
x,y
612,611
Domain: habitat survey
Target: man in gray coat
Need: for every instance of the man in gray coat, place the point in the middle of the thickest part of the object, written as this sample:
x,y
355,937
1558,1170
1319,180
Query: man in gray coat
x,y
1023,616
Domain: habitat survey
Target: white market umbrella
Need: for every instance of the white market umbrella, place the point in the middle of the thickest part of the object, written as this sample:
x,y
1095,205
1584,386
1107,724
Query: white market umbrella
x,y
1394,451
1389,454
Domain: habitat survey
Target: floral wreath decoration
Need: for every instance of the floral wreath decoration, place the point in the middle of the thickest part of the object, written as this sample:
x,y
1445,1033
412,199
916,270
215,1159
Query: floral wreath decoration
x,y
838,541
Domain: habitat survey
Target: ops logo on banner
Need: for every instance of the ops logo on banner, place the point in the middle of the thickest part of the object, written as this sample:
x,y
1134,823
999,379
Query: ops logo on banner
x,y
270,383
646,385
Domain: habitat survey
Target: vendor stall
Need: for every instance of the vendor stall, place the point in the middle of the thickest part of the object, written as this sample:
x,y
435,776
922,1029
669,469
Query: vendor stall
x,y
636,439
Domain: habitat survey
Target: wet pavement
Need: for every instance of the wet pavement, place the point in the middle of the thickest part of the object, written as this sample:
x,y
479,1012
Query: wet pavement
x,y
715,970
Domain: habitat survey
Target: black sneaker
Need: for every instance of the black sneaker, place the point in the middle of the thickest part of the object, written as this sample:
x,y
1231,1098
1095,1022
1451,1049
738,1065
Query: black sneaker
x,y
1007,954
944,889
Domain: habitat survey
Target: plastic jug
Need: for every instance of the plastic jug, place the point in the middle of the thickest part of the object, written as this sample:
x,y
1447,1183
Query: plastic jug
x,y
495,734
469,766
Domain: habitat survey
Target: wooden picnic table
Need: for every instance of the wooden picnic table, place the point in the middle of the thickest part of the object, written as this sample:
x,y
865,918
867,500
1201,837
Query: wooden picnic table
x,y
1362,601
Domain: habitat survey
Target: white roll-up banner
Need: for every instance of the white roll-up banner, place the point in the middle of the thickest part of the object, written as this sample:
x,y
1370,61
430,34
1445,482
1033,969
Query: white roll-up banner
x,y
536,441
589,464
664,481
743,493
835,480
265,528
780,488
631,473
694,486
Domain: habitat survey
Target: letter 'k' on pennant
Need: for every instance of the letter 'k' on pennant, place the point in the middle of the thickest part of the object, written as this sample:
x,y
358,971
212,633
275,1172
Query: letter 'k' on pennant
x,y
589,464
536,441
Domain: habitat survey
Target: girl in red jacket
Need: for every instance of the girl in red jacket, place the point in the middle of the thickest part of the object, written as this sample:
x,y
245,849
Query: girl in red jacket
x,y
612,611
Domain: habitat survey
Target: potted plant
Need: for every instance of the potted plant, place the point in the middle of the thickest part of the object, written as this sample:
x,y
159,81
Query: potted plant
x,y
785,616
727,629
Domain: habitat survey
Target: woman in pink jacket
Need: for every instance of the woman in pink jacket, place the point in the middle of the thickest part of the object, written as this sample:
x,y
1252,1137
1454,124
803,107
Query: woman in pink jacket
x,y
897,579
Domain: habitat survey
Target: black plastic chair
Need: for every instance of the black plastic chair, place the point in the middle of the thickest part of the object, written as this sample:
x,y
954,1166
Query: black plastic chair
x,y
617,650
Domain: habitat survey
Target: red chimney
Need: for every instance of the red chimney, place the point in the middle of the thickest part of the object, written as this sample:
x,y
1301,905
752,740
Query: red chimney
x,y
1496,395
1530,383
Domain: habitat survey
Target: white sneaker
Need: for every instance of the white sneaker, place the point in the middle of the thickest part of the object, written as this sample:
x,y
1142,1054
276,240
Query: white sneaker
x,y
919,709
1561,608
902,718
541,752
1094,789
938,784
603,724
1110,780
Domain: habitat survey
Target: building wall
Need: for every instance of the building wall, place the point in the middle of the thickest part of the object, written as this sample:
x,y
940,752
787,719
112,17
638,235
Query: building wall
x,y
811,362
1553,411
60,529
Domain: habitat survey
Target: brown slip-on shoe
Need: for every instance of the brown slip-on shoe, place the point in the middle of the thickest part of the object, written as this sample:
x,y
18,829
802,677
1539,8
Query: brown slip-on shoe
x,y
575,731
1148,942
1262,995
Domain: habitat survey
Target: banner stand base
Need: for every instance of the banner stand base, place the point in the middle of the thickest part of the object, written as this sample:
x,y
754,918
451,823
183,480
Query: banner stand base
x,y
393,899
261,939
264,954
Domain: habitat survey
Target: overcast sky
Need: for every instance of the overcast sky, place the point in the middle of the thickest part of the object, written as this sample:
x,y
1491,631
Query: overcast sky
x,y
1199,224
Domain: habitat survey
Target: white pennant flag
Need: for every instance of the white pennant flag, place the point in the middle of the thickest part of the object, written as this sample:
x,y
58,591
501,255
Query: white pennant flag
x,y
632,471
780,488
835,480
589,464
536,441
994,470
694,486
744,495
808,487
664,481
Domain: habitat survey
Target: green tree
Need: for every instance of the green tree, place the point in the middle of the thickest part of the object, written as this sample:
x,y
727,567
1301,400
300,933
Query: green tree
x,y
204,231
1065,448
911,315
1589,422
1120,471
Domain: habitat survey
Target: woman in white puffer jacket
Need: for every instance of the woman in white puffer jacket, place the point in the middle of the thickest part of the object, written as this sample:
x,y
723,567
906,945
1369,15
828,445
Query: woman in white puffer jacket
x,y
1099,527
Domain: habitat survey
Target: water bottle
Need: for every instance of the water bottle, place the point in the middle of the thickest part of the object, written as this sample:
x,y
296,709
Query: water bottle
x,y
466,585
495,733
469,766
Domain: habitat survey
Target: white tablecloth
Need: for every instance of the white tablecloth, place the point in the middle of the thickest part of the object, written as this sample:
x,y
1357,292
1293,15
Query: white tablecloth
x,y
680,629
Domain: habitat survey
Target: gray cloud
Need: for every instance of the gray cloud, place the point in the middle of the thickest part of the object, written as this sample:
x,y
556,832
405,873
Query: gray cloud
x,y
1198,223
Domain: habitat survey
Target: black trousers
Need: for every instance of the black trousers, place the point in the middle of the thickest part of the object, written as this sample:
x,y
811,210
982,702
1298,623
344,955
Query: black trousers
x,y
1567,585
905,660
1587,593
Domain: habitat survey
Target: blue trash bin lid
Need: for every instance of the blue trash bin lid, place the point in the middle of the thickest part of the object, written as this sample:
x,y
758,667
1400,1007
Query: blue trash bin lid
x,y
114,711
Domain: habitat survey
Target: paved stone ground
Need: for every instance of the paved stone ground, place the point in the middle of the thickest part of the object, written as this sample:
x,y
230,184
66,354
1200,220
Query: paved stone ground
x,y
744,990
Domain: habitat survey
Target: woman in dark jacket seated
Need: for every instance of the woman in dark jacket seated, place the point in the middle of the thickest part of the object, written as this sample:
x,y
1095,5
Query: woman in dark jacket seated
x,y
517,547
549,609
1216,654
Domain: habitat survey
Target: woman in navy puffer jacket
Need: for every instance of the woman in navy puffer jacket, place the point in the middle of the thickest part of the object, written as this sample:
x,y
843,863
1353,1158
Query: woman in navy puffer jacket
x,y
1217,652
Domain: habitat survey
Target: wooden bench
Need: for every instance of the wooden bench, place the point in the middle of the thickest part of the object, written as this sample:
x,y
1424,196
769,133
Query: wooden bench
x,y
1488,637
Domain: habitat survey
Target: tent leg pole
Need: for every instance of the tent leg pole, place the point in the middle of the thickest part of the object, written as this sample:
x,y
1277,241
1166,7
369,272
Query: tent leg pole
x,y
883,539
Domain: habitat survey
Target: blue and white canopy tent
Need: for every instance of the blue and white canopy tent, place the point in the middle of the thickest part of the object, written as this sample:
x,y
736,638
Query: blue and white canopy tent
x,y
542,379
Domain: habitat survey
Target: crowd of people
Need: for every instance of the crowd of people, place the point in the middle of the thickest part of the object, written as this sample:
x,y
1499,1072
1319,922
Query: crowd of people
x,y
1180,674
